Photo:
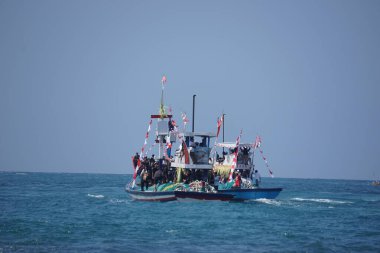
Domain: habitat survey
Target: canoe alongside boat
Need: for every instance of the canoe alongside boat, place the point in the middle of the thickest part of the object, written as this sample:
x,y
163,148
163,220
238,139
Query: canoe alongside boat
x,y
254,193
151,196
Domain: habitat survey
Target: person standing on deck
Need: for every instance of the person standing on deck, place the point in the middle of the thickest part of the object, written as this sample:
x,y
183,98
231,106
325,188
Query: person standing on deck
x,y
245,152
157,178
152,161
144,178
237,183
136,159
257,178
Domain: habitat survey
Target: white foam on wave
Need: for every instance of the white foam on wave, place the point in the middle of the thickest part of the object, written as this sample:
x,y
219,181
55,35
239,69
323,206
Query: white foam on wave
x,y
117,201
330,201
95,196
268,201
171,231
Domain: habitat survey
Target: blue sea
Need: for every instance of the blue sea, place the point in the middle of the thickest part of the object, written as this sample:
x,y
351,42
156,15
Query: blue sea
x,y
52,212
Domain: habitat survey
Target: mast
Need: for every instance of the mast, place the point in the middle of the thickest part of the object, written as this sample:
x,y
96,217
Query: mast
x,y
193,112
162,116
223,131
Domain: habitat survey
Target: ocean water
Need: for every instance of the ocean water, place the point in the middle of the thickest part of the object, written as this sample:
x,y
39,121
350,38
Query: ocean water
x,y
48,212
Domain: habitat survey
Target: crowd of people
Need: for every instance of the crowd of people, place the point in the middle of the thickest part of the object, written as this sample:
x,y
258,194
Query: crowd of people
x,y
154,172
242,158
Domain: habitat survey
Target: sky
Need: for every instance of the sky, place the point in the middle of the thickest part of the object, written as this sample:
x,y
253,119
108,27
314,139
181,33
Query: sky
x,y
80,79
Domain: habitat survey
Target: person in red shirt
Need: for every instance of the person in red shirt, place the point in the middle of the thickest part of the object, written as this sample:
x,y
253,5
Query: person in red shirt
x,y
237,181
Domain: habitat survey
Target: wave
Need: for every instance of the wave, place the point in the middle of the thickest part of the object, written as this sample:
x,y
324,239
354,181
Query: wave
x,y
117,201
171,231
268,201
95,196
330,201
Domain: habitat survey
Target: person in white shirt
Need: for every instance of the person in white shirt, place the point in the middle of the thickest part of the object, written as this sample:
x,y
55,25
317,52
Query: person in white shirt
x,y
257,178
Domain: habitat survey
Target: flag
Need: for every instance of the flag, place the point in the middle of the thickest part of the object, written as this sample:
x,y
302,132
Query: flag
x,y
184,119
234,161
219,124
185,152
257,142
134,169
163,81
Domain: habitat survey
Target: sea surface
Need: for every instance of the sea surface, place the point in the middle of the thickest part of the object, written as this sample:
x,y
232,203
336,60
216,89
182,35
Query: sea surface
x,y
52,212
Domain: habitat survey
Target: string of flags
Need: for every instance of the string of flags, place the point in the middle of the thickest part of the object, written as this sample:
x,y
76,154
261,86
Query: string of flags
x,y
146,139
258,146
185,120
150,149
141,153
266,163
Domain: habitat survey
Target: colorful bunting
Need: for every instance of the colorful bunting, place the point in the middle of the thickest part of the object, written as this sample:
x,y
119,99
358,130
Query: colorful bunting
x,y
258,145
234,161
141,153
185,120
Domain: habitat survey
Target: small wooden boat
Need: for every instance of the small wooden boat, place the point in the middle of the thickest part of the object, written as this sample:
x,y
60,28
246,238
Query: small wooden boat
x,y
151,195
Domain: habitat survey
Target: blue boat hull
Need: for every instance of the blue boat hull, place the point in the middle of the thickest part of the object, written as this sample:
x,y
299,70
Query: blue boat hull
x,y
256,193
182,195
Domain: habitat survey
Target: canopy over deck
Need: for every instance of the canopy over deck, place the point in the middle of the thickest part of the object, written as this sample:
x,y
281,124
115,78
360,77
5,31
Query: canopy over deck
x,y
233,145
199,134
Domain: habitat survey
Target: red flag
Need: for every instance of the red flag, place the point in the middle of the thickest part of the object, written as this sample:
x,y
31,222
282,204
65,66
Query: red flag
x,y
163,80
185,152
257,142
184,119
234,161
219,123
134,169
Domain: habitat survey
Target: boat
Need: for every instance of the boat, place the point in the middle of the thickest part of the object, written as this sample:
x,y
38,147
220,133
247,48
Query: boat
x,y
163,192
376,183
191,164
191,160
192,167
243,166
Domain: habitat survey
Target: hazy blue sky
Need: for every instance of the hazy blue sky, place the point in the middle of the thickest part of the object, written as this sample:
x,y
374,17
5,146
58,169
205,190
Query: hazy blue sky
x,y
79,79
